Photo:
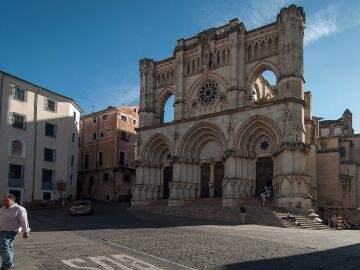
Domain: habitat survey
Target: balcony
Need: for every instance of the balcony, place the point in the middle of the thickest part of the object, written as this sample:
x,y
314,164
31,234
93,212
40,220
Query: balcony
x,y
16,183
47,185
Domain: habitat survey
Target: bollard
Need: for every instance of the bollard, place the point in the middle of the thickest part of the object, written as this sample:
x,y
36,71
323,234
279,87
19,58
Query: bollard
x,y
339,223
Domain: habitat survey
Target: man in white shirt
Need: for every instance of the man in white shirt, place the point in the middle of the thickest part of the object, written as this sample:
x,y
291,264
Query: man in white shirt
x,y
13,220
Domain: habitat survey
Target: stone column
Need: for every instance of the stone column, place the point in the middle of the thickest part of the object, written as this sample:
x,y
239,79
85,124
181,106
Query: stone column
x,y
291,184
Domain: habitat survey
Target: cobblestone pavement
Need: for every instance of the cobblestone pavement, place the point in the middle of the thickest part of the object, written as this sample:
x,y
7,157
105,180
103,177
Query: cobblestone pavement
x,y
116,238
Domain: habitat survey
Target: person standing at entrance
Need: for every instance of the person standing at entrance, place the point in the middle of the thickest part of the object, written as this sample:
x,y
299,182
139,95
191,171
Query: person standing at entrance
x,y
263,197
13,220
242,214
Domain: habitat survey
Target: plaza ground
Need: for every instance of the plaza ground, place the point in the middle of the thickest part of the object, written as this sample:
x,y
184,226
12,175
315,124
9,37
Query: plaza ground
x,y
119,238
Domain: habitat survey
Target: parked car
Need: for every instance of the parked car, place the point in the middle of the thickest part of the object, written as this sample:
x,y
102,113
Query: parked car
x,y
82,208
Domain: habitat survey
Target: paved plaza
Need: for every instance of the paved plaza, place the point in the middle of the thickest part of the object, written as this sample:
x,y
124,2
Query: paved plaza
x,y
119,238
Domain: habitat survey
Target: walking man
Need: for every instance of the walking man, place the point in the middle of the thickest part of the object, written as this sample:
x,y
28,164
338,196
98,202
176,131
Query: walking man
x,y
13,220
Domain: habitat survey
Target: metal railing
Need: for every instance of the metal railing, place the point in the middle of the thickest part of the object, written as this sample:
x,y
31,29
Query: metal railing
x,y
47,185
18,183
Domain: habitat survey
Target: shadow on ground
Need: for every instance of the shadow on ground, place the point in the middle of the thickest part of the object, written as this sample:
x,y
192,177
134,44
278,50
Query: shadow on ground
x,y
344,258
108,216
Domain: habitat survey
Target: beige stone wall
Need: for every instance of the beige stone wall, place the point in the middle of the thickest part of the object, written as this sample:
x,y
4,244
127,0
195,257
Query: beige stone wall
x,y
34,139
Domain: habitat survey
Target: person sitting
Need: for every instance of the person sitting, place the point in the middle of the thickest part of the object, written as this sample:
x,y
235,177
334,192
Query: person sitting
x,y
291,217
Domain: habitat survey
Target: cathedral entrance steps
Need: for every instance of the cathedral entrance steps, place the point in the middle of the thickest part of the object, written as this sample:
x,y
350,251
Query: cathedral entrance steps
x,y
212,209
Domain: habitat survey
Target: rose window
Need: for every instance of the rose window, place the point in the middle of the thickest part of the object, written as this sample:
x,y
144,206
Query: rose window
x,y
264,145
208,92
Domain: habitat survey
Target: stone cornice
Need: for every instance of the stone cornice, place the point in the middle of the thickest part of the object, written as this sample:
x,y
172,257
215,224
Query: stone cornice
x,y
235,153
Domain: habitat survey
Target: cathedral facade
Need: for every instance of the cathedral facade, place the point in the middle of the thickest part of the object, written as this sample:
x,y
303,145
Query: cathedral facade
x,y
233,132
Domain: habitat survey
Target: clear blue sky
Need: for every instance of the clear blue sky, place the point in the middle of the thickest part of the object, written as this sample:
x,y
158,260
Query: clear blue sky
x,y
89,49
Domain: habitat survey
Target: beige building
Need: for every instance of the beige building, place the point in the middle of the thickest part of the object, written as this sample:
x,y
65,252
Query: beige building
x,y
38,141
107,151
338,168
233,132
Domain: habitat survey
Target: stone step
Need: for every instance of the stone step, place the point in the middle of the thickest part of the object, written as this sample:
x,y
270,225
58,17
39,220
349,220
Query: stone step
x,y
256,213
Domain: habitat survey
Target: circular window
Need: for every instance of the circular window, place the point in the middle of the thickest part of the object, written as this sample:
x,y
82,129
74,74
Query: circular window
x,y
208,92
264,145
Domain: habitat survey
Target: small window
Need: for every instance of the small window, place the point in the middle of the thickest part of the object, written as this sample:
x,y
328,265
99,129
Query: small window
x,y
50,130
124,136
123,118
16,171
94,136
71,180
47,196
134,122
122,160
86,161
18,121
99,158
105,177
19,94
342,151
50,105
134,109
73,137
94,120
108,132
48,176
49,154
105,117
72,161
101,134
126,178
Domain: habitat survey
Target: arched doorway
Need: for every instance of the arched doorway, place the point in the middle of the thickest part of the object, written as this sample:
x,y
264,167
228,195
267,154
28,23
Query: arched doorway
x,y
167,179
205,179
218,179
264,173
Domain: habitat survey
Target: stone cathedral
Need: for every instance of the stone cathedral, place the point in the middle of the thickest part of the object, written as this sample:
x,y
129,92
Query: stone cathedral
x,y
233,132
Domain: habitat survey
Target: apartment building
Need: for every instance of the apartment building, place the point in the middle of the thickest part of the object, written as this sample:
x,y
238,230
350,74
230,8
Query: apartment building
x,y
107,150
38,141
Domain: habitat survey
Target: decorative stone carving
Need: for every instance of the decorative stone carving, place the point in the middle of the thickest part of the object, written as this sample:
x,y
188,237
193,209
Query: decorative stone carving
x,y
304,147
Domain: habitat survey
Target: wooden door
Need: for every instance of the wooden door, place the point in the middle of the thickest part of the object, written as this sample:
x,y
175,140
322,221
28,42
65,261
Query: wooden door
x,y
218,179
205,179
167,180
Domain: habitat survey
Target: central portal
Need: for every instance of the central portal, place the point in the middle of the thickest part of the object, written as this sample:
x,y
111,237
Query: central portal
x,y
264,173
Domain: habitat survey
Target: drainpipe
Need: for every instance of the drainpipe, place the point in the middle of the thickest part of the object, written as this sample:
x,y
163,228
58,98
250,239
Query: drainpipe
x,y
35,140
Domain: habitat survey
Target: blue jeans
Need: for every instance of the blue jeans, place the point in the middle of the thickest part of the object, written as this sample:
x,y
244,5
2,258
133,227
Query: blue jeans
x,y
6,248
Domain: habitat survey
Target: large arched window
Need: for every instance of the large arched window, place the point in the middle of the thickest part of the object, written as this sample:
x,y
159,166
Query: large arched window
x,y
264,86
168,111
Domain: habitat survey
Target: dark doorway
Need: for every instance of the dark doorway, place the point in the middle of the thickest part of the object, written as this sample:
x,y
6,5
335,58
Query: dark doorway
x,y
218,179
17,194
167,179
264,173
205,179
